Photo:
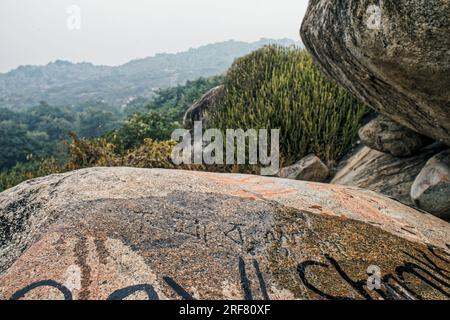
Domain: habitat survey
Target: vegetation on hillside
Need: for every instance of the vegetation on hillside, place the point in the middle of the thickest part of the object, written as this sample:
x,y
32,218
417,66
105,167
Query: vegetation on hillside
x,y
40,131
37,142
158,118
281,88
84,153
273,88
65,83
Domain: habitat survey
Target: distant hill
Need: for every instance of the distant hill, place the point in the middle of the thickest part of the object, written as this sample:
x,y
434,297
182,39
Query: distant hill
x,y
66,83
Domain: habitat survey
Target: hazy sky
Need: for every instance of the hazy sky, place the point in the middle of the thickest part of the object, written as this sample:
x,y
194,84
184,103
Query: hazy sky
x,y
115,31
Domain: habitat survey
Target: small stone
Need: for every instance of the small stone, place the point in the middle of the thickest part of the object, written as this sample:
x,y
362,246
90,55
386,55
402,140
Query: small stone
x,y
387,136
310,168
431,189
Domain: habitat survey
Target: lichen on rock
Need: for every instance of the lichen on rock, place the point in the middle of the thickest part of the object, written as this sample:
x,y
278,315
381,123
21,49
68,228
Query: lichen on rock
x,y
123,233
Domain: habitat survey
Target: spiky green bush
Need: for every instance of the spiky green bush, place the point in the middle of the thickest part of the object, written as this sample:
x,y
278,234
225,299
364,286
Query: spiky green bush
x,y
281,88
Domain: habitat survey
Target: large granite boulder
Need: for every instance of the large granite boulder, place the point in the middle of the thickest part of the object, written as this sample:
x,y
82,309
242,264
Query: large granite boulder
x,y
123,233
387,136
393,55
383,173
431,189
201,109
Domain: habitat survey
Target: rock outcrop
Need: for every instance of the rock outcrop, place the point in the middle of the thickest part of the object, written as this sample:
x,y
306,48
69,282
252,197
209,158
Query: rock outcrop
x,y
199,110
123,233
393,55
310,168
384,173
385,135
431,189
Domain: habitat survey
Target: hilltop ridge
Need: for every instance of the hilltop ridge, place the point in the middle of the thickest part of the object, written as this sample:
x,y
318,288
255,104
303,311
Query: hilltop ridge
x,y
65,83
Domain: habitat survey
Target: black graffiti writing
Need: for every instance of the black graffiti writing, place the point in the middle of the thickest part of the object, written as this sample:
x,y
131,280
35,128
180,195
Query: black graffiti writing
x,y
395,286
178,289
303,267
46,283
120,294
149,290
128,291
262,282
246,283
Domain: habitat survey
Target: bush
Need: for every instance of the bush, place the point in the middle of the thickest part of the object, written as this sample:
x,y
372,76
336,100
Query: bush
x,y
151,154
281,88
25,171
140,126
163,114
85,153
272,88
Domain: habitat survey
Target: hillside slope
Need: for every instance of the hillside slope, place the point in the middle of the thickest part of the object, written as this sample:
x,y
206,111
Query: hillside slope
x,y
66,83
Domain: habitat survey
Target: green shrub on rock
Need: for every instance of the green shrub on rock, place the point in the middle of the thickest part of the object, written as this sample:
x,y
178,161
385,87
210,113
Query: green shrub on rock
x,y
281,88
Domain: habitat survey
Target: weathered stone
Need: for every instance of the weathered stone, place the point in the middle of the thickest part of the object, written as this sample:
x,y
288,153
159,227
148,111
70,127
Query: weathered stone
x,y
200,109
384,173
431,189
387,136
134,233
310,168
393,55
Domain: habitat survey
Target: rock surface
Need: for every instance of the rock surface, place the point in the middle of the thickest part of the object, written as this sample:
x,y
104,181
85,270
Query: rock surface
x,y
387,136
310,168
431,189
393,55
384,173
199,110
124,233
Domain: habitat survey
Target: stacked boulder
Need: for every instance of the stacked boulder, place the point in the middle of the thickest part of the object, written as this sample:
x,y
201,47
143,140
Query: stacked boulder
x,y
402,164
387,136
394,56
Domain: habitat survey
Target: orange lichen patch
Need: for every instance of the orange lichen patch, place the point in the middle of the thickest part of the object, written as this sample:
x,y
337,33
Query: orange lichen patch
x,y
260,194
273,193
323,187
358,202
244,194
365,207
382,202
235,181
250,177
270,192
377,210
252,190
